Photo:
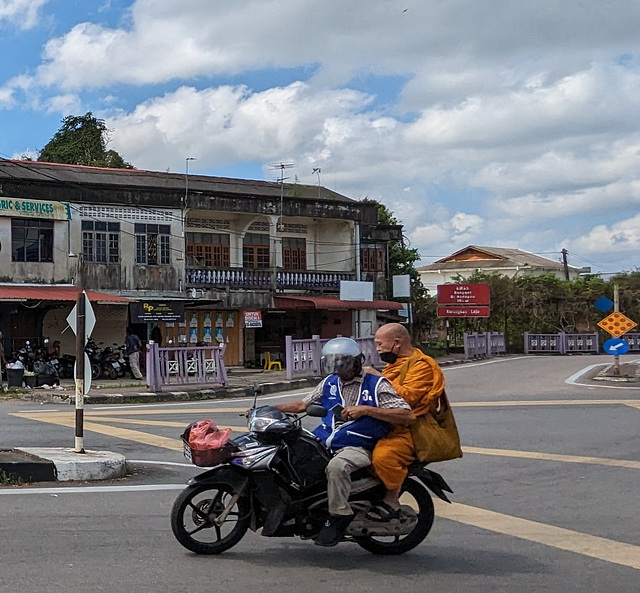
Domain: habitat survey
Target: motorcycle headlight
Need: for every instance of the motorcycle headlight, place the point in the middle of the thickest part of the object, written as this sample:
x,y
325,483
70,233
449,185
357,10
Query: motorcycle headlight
x,y
260,423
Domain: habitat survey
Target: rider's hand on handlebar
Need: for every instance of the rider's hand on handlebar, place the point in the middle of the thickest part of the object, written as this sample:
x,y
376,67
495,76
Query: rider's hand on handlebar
x,y
354,412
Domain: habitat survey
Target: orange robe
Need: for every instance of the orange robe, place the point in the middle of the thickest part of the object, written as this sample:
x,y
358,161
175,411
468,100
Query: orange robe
x,y
419,381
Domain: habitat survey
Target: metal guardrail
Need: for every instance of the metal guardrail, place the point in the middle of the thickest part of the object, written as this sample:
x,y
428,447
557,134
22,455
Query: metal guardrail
x,y
560,343
185,365
302,356
480,345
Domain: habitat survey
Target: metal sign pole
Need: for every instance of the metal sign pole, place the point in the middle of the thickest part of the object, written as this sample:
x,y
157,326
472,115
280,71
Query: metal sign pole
x,y
616,307
80,370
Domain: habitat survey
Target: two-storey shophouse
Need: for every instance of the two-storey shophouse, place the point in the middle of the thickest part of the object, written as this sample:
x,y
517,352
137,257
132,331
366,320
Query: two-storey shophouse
x,y
196,259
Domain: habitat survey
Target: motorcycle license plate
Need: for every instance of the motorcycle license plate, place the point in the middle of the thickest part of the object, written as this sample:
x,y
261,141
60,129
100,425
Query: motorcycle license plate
x,y
187,451
115,365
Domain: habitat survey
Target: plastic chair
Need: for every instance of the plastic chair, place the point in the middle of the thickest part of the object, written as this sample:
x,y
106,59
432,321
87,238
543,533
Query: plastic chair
x,y
271,364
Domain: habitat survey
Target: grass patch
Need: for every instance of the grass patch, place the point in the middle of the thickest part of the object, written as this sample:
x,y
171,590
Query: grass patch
x,y
9,479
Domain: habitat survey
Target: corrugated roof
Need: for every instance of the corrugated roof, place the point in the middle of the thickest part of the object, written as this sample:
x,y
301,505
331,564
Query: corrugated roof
x,y
142,179
54,292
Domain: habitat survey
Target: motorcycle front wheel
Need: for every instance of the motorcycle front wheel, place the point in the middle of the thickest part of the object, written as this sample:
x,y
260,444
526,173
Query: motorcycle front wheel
x,y
210,519
416,496
96,370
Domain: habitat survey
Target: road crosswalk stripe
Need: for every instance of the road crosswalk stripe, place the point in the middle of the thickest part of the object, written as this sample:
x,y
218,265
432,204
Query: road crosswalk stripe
x,y
549,535
554,457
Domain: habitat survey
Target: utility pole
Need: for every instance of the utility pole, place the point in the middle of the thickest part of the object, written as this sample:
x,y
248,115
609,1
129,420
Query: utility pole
x,y
80,367
565,264
616,307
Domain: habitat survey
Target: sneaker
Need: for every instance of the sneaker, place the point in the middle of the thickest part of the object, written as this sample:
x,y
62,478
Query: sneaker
x,y
333,530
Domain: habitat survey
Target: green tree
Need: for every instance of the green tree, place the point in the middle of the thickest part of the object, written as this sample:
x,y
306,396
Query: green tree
x,y
401,261
82,140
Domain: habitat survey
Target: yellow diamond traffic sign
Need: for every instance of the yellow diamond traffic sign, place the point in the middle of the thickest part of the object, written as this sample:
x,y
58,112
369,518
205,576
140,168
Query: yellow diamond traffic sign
x,y
617,324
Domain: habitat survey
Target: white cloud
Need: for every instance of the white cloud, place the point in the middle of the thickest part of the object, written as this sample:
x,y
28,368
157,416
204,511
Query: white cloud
x,y
622,236
21,13
515,122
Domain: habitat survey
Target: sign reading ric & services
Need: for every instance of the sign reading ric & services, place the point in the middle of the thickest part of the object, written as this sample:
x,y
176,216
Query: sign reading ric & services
x,y
19,207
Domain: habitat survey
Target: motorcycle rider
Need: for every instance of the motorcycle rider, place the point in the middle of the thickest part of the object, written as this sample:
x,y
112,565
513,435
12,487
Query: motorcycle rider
x,y
367,407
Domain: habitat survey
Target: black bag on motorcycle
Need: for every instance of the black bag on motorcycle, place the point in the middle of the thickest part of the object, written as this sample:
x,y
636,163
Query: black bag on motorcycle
x,y
435,437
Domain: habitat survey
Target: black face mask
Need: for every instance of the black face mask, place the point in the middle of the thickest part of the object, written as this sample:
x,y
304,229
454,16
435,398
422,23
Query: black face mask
x,y
388,357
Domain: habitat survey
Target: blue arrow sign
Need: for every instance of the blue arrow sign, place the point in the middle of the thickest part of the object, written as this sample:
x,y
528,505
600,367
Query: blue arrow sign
x,y
615,346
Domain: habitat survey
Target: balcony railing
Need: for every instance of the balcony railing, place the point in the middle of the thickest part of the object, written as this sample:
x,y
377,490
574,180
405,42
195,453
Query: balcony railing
x,y
264,278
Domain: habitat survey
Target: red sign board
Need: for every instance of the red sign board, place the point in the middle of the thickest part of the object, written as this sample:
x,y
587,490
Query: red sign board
x,y
463,294
458,311
252,319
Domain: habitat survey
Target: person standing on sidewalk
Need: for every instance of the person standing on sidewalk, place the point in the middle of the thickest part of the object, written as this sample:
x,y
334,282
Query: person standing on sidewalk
x,y
133,345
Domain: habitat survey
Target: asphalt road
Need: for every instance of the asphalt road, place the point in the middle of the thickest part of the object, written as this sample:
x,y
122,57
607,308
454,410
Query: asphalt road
x,y
545,498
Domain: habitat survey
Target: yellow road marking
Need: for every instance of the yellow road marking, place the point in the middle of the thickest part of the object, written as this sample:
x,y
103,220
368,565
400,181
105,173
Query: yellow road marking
x,y
554,457
548,535
145,412
121,433
550,402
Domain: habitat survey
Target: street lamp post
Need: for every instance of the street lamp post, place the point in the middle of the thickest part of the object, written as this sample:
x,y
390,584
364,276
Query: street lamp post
x,y
186,178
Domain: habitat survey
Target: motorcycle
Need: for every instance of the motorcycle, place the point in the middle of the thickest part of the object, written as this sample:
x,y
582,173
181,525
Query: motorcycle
x,y
273,478
94,352
110,363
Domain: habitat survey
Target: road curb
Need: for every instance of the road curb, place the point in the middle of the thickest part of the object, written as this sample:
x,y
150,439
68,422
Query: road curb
x,y
21,466
77,467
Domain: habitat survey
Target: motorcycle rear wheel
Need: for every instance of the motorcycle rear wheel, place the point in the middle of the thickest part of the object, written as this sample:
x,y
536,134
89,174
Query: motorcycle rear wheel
x,y
416,496
195,511
111,373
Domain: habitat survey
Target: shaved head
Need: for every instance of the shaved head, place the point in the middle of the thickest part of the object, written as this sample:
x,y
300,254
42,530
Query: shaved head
x,y
395,338
394,331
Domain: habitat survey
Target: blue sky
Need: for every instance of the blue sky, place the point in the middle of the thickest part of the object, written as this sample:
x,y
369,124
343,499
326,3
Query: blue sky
x,y
487,122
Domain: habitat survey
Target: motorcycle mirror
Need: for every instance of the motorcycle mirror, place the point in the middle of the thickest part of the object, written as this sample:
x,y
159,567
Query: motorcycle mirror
x,y
257,390
316,411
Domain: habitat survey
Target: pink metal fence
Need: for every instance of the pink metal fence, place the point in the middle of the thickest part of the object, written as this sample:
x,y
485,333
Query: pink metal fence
x,y
185,365
302,357
483,344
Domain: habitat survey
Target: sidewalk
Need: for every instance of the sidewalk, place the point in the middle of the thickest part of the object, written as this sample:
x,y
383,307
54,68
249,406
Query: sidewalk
x,y
241,384
51,464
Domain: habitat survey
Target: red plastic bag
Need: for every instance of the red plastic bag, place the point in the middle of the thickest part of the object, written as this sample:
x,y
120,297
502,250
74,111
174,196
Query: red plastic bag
x,y
205,435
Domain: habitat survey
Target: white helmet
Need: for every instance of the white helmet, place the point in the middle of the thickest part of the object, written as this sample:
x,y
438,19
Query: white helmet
x,y
341,356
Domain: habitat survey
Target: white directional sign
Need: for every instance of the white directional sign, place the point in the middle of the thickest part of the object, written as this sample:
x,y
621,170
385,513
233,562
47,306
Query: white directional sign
x,y
89,318
89,324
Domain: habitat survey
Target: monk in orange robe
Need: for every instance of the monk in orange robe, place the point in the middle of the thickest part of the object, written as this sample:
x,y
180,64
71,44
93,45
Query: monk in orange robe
x,y
419,380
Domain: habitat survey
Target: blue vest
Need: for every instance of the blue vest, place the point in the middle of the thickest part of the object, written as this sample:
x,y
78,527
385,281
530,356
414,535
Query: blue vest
x,y
363,432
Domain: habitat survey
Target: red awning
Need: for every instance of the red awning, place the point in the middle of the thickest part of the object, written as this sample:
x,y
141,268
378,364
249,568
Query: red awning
x,y
327,302
55,292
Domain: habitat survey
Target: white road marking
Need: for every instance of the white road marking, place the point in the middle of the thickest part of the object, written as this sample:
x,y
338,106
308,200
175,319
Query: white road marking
x,y
91,489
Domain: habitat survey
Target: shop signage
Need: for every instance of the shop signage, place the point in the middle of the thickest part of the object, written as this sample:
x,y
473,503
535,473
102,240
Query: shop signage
x,y
252,319
463,294
150,311
18,207
456,311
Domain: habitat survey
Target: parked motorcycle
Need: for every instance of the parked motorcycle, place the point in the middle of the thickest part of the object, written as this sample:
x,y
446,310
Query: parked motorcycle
x,y
66,365
94,352
273,477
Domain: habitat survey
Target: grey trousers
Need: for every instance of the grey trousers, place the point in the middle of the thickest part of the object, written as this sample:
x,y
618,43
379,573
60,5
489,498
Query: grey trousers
x,y
339,470
134,363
